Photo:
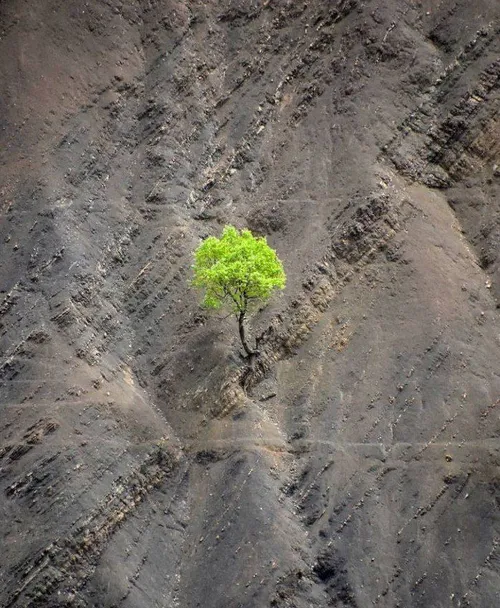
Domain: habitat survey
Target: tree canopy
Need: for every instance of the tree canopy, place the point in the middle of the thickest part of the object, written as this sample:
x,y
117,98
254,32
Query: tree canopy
x,y
237,270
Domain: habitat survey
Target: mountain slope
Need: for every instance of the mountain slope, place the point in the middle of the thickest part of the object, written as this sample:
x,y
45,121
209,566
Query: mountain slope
x,y
143,462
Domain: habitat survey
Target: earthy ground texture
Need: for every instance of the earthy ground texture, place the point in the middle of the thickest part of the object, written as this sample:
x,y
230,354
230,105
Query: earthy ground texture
x,y
143,462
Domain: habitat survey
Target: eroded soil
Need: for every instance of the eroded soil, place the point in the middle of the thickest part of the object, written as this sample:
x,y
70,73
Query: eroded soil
x,y
143,463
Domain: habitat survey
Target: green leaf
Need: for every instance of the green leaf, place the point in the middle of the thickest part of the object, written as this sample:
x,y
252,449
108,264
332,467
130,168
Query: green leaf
x,y
237,270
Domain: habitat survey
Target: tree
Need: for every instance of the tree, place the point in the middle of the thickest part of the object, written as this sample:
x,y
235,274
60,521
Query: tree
x,y
238,271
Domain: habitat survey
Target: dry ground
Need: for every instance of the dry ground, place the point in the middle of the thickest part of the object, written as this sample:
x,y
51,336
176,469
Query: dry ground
x,y
142,462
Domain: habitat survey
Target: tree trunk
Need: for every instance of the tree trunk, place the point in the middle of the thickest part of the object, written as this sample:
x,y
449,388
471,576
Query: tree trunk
x,y
241,325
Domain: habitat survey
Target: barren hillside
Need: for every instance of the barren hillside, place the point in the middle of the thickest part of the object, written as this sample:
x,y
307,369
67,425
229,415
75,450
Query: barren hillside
x,y
143,462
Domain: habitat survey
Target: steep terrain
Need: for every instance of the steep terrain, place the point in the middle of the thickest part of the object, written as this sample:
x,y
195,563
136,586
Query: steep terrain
x,y
143,462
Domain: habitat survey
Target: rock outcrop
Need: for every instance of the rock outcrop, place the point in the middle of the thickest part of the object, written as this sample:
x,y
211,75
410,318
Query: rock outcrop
x,y
143,461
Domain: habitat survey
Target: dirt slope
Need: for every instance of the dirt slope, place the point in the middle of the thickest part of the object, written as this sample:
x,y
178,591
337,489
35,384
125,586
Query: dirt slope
x,y
142,462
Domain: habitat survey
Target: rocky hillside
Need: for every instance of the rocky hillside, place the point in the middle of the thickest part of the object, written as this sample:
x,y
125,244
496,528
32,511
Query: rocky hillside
x,y
143,462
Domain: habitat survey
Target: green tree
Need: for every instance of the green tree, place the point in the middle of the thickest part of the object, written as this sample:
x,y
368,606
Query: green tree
x,y
238,271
